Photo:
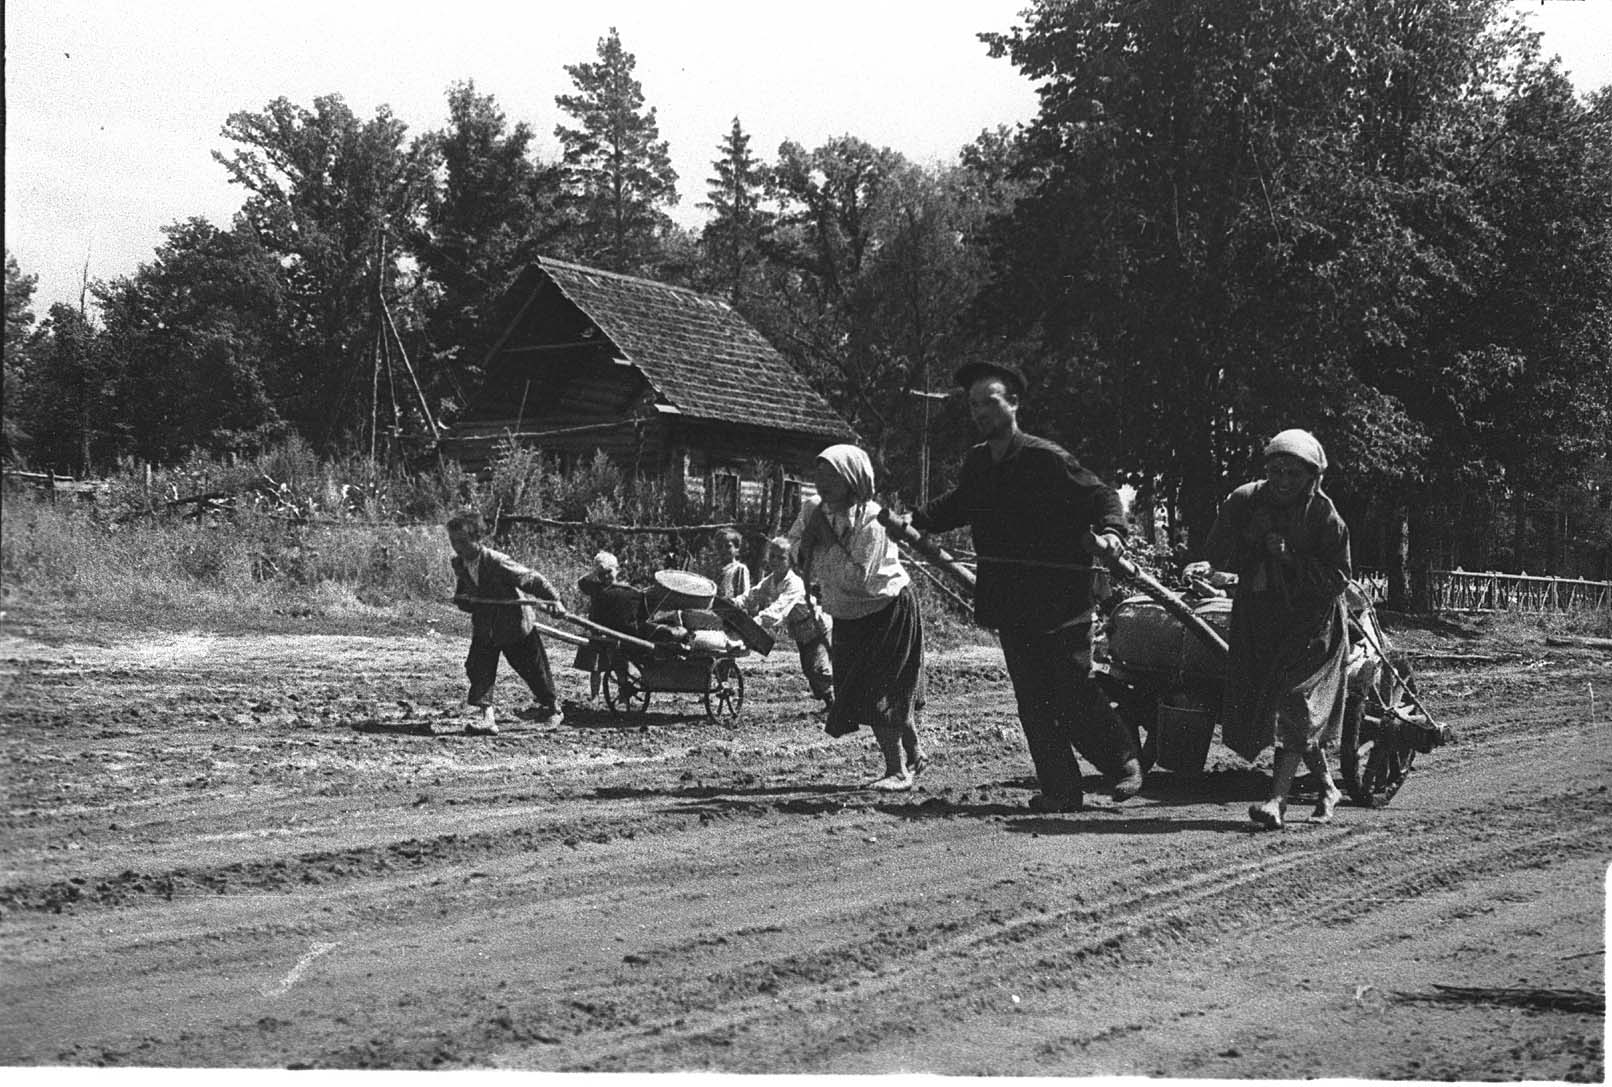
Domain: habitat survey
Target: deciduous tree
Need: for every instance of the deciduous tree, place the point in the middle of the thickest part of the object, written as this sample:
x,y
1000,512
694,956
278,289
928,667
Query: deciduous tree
x,y
200,336
331,197
65,402
19,299
1246,216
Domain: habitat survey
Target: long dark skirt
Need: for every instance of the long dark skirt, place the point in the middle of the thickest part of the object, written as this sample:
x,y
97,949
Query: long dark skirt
x,y
879,676
1287,675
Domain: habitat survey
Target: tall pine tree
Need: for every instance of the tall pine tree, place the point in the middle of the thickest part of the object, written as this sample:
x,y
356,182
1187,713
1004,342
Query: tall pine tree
x,y
493,212
732,238
617,175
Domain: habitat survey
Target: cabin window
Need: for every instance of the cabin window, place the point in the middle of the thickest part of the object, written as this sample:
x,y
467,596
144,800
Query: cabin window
x,y
725,494
789,502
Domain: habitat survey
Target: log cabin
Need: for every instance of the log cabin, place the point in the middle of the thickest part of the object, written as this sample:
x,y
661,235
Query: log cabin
x,y
668,382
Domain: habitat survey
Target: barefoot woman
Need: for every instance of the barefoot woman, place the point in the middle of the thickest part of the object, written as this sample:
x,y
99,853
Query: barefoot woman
x,y
1285,680
878,649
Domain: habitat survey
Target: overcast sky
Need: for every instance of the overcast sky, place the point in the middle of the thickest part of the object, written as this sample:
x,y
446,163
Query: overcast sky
x,y
113,108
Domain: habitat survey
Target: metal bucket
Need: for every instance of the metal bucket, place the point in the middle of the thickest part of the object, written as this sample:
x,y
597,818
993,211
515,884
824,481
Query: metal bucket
x,y
1184,736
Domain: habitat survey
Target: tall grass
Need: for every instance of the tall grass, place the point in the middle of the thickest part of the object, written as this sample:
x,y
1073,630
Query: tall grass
x,y
355,545
292,536
69,561
335,540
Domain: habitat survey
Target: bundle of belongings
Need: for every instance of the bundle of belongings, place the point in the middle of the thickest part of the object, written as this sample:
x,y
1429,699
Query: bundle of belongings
x,y
685,609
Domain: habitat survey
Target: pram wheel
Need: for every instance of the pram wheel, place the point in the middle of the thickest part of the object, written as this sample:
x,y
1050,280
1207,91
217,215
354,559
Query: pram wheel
x,y
725,696
624,690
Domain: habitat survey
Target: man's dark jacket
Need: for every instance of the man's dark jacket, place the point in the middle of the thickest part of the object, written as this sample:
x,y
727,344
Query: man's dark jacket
x,y
1034,506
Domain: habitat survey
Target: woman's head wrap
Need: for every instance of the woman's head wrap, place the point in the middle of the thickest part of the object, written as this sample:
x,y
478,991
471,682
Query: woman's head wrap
x,y
604,560
1301,444
853,466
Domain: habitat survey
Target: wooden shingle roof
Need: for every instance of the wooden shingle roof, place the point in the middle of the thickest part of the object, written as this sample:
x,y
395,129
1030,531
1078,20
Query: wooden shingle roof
x,y
698,354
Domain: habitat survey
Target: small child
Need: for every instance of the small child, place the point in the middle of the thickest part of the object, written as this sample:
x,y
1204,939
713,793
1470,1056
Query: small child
x,y
733,581
780,600
612,603
487,585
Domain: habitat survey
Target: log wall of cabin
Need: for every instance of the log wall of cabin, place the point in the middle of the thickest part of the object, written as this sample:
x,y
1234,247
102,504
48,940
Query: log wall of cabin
x,y
555,383
766,463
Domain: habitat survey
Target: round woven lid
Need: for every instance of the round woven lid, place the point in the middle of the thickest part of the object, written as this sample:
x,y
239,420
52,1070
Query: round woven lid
x,y
685,582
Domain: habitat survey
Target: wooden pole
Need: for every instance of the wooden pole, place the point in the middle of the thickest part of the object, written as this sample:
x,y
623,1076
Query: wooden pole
x,y
1121,565
586,624
929,549
425,408
374,396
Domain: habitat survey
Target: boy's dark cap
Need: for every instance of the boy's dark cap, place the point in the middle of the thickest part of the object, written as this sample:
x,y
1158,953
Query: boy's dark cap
x,y
1011,376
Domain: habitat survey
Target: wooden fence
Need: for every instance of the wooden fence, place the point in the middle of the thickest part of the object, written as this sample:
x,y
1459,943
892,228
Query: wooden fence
x,y
52,485
1458,590
1467,591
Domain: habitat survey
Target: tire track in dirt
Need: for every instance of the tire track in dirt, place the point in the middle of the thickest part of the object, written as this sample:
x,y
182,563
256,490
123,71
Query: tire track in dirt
x,y
1190,906
1524,724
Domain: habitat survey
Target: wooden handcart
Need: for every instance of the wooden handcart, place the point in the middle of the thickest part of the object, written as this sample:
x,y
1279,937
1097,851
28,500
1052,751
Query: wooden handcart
x,y
716,678
702,662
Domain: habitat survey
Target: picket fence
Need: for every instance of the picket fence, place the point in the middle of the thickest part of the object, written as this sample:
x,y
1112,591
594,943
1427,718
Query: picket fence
x,y
1470,591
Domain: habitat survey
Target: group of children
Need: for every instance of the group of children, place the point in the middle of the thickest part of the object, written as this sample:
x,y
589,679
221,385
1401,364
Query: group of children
x,y
500,595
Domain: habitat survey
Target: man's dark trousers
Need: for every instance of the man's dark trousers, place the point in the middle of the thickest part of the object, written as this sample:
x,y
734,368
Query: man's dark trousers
x,y
1062,709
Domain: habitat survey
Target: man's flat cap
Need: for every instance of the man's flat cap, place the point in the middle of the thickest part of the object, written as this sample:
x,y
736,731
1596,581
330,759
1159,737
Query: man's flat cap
x,y
1011,376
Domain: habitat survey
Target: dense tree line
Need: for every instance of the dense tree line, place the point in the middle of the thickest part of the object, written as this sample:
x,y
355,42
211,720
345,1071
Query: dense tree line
x,y
1387,221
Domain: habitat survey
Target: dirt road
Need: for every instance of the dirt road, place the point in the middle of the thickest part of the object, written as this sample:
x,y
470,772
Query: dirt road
x,y
247,851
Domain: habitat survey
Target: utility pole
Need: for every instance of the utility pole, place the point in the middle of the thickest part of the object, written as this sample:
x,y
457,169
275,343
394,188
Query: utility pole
x,y
927,397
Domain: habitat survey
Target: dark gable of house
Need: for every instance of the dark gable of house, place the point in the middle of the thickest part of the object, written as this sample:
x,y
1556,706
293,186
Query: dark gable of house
x,y
670,383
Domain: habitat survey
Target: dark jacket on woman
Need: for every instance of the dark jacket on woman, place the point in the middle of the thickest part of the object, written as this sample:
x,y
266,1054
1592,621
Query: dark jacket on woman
x,y
1289,628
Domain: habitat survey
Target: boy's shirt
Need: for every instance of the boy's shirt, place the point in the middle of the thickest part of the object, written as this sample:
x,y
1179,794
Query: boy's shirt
x,y
493,575
734,580
769,602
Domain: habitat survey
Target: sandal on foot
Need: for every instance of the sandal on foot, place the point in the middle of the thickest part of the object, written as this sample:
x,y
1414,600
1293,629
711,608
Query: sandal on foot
x,y
892,783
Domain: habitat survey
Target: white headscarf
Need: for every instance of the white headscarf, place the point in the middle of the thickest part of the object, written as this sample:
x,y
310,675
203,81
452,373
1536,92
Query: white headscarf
x,y
853,466
1301,444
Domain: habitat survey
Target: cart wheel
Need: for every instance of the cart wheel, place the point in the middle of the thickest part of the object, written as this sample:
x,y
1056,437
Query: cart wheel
x,y
1377,754
628,697
725,696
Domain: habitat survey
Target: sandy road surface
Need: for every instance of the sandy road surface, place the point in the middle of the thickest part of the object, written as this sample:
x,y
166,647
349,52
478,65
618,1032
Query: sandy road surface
x,y
243,850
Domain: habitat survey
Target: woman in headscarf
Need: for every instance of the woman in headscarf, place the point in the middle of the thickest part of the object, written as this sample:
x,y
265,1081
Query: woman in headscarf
x,y
878,650
1285,679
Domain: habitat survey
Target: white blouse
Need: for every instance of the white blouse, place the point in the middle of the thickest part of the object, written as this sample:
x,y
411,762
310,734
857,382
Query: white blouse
x,y
861,572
